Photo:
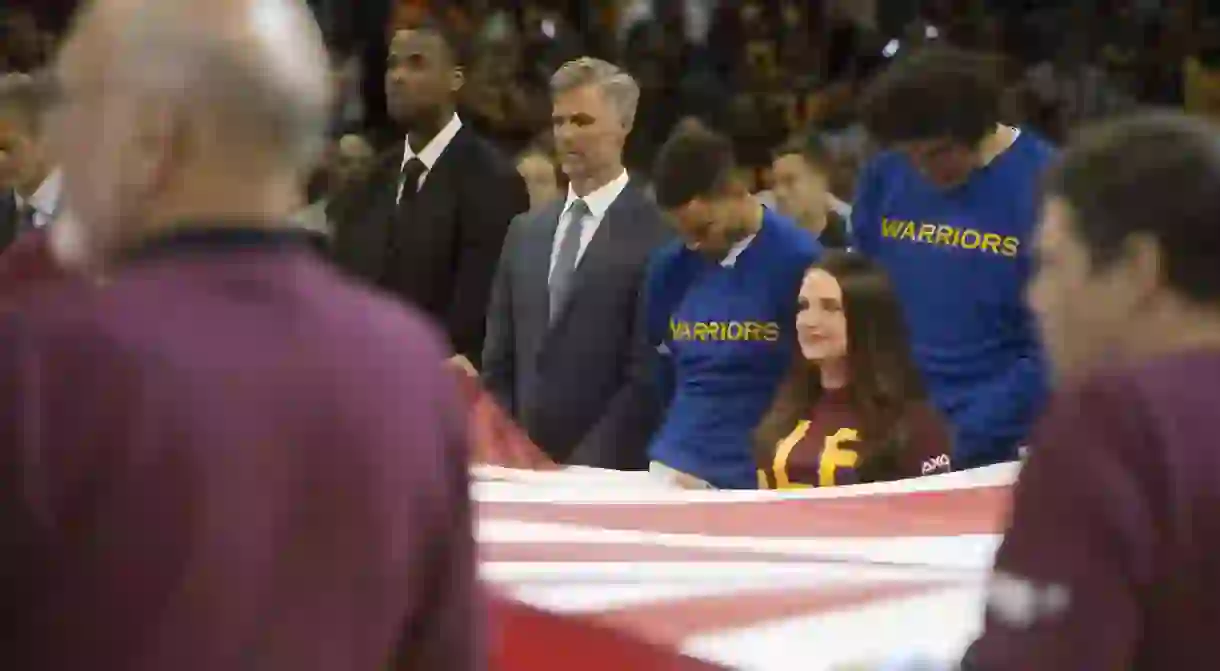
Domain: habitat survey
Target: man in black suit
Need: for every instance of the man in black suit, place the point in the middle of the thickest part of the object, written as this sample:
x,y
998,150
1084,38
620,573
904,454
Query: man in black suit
x,y
566,351
428,223
29,188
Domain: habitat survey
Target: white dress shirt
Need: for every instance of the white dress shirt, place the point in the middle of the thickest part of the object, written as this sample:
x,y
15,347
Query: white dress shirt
x,y
599,200
45,200
735,251
431,153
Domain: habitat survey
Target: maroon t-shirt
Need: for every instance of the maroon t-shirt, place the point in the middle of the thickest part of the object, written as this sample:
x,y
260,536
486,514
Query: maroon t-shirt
x,y
27,263
231,457
827,448
1112,560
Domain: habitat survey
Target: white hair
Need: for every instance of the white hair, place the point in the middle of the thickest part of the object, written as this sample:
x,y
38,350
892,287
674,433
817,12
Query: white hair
x,y
615,83
262,63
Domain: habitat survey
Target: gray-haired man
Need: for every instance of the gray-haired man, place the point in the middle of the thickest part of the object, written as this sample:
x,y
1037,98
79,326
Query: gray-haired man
x,y
565,350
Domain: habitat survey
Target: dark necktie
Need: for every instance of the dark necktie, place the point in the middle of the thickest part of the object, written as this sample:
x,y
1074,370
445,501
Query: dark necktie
x,y
566,257
408,184
26,217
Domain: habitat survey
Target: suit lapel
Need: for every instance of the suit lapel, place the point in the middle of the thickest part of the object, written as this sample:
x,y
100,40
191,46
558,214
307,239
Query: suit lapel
x,y
364,215
8,219
538,264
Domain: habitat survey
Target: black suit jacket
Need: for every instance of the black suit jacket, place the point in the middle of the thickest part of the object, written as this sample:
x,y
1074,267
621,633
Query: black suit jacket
x,y
8,219
449,238
580,387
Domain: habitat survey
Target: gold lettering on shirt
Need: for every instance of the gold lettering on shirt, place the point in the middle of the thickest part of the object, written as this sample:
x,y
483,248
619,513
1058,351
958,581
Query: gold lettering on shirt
x,y
779,465
835,456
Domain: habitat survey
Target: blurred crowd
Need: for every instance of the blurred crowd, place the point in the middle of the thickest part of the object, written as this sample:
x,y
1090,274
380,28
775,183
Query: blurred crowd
x,y
758,70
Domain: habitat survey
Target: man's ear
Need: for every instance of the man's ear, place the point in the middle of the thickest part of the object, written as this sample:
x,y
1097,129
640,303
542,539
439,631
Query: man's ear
x,y
457,79
1143,264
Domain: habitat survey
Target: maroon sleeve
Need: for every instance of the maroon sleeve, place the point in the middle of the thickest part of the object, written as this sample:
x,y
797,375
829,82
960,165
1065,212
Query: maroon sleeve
x,y
448,629
1065,591
27,262
928,452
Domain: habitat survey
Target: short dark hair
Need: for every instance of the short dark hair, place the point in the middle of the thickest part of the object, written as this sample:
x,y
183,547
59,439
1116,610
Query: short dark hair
x,y
809,146
693,162
1155,173
453,38
936,92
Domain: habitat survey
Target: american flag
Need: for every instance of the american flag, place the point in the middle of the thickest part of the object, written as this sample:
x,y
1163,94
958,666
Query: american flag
x,y
754,580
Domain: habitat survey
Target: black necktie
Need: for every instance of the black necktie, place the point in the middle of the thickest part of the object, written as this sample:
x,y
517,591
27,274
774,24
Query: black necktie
x,y
408,181
25,217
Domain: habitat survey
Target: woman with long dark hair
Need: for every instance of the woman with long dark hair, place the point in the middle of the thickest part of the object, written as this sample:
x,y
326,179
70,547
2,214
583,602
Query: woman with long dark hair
x,y
852,409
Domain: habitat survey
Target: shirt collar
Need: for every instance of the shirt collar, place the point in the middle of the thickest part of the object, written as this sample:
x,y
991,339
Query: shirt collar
x,y
46,197
600,199
431,153
735,251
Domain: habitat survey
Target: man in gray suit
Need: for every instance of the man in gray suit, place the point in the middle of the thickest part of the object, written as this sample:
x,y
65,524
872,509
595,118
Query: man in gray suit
x,y
565,350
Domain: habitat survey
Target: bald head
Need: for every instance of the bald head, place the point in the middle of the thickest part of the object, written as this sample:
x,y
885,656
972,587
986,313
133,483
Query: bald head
x,y
257,68
177,110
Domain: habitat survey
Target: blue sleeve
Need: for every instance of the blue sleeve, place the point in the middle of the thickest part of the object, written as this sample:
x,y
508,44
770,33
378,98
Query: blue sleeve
x,y
662,294
1003,413
865,223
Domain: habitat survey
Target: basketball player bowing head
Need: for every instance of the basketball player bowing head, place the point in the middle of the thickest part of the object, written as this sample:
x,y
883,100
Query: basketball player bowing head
x,y
852,408
720,311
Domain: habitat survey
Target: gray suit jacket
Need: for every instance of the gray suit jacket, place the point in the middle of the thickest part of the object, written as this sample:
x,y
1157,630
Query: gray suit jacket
x,y
581,387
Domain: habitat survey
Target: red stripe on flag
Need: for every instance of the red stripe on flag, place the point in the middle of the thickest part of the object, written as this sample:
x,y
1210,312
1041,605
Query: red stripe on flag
x,y
546,551
951,513
528,639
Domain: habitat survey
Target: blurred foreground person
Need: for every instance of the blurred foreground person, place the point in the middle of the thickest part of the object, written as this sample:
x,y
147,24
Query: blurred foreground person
x,y
228,456
1111,558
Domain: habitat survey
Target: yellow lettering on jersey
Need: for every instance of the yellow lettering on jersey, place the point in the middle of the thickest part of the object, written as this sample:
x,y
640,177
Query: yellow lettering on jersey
x,y
941,235
835,456
724,331
779,466
679,330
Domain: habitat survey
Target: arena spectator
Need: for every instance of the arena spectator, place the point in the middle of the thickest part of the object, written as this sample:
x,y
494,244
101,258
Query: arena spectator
x,y
721,312
229,414
540,170
1109,562
347,162
566,351
800,173
949,212
428,223
29,186
852,408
